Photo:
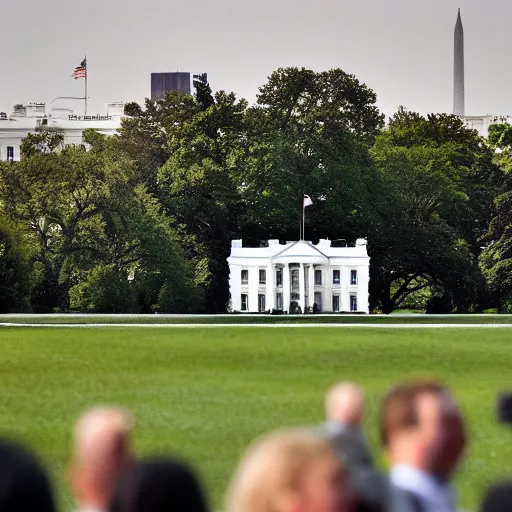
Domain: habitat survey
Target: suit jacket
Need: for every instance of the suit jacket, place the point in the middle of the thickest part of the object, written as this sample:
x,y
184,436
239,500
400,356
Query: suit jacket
x,y
369,485
413,490
498,498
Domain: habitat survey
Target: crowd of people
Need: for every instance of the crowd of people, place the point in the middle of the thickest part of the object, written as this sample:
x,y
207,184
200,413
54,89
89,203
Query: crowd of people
x,y
323,469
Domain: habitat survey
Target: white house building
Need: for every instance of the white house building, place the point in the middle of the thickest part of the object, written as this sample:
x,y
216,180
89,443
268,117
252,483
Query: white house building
x,y
299,277
36,117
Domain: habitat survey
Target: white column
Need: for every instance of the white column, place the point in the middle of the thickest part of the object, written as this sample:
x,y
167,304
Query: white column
x,y
286,287
302,287
311,286
235,288
271,291
327,289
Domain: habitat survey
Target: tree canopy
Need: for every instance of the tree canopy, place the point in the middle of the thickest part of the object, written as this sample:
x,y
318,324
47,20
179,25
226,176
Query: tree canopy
x,y
143,221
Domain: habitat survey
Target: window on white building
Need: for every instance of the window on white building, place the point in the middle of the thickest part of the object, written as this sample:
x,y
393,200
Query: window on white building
x,y
263,276
353,277
244,302
261,303
318,277
318,301
279,301
295,279
10,153
245,277
279,277
353,303
336,303
336,277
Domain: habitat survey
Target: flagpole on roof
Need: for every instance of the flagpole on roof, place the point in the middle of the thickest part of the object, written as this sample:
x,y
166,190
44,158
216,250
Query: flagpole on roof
x,y
306,201
85,61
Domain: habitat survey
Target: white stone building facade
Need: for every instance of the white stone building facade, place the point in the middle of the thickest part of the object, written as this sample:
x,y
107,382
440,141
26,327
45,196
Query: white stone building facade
x,y
299,277
35,117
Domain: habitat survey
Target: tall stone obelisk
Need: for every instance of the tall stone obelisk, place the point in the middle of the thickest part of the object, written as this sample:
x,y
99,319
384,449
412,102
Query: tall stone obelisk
x,y
458,69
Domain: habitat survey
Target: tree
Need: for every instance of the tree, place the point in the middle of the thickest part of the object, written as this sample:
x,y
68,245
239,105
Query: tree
x,y
412,245
496,258
145,134
500,136
473,170
309,134
15,268
203,94
105,290
198,190
46,141
87,210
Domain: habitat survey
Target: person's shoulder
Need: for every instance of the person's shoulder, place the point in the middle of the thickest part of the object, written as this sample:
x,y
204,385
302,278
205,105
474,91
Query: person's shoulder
x,y
403,500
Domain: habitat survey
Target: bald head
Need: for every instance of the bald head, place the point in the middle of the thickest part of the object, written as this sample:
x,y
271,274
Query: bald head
x,y
100,451
344,403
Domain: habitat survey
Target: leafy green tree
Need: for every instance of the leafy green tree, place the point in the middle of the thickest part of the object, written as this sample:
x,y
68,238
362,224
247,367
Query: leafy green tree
x,y
46,141
105,290
473,170
15,268
198,189
87,210
500,135
145,134
496,258
413,246
204,96
309,134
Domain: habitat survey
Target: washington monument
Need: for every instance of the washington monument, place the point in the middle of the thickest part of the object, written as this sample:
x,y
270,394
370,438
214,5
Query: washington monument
x,y
458,69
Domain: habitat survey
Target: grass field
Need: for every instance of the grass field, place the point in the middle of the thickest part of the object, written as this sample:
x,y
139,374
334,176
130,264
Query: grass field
x,y
255,319
205,393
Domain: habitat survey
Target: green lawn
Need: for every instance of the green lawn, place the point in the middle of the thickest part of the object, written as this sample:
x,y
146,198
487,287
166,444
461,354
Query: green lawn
x,y
256,319
205,393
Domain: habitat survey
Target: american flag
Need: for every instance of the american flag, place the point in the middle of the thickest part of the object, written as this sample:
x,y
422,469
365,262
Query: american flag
x,y
80,71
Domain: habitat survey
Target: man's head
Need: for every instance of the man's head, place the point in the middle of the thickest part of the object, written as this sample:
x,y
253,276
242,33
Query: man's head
x,y
24,484
344,403
421,425
100,453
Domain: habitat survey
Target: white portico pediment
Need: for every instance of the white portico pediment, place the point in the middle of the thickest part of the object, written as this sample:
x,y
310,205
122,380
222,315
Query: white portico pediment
x,y
301,251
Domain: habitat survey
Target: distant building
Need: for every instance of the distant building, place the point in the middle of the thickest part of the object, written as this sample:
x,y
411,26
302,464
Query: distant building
x,y
34,117
299,277
162,83
479,123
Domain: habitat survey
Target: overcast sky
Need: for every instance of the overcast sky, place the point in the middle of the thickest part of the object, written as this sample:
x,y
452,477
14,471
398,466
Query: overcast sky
x,y
403,49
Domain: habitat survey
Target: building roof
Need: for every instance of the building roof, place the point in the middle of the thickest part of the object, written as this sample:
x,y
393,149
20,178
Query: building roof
x,y
299,250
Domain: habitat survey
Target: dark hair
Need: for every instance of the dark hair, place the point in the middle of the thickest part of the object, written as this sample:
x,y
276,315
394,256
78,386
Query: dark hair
x,y
158,485
398,409
24,485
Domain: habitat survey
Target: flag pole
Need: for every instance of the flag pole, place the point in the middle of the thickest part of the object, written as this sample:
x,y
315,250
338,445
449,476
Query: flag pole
x,y
303,219
85,84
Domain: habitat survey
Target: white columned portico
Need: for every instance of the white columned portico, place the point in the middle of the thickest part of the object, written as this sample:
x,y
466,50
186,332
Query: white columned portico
x,y
286,287
302,288
271,292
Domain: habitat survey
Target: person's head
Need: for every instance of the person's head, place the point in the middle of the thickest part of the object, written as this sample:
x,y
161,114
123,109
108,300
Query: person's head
x,y
157,485
100,452
344,403
24,485
288,471
421,425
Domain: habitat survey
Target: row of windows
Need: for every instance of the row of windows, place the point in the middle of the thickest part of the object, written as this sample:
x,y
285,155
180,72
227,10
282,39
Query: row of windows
x,y
279,302
336,277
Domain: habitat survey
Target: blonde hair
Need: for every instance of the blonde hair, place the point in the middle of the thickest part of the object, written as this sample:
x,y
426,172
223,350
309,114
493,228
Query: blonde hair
x,y
273,467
